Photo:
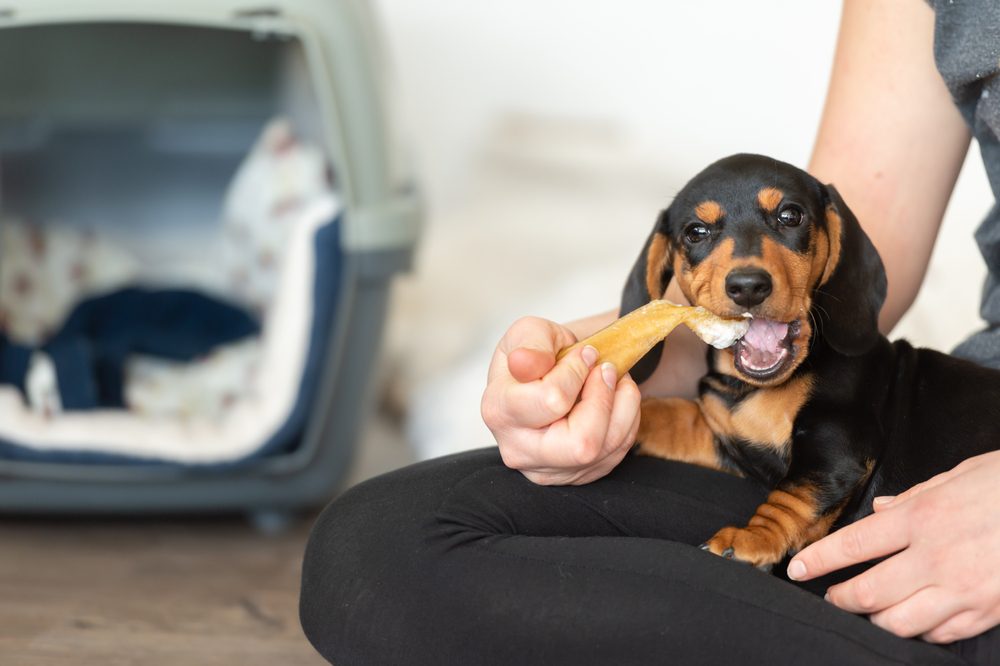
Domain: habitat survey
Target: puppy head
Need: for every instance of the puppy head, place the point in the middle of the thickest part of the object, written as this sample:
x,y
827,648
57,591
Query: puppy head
x,y
750,234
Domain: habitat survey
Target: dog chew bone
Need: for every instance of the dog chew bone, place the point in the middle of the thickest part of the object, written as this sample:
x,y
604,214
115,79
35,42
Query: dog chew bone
x,y
626,340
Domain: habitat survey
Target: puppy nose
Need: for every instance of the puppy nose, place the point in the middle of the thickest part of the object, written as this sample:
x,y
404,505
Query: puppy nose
x,y
748,287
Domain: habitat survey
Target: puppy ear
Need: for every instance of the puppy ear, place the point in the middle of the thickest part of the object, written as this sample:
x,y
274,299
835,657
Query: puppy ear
x,y
851,292
647,281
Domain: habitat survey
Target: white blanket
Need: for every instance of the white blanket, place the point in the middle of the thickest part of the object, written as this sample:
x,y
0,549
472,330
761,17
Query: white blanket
x,y
247,423
221,407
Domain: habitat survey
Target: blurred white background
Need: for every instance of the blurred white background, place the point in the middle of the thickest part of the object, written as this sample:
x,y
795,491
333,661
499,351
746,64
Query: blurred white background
x,y
548,133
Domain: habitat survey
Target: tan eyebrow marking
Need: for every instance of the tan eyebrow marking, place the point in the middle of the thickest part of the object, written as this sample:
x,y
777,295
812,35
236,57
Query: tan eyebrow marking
x,y
769,198
709,211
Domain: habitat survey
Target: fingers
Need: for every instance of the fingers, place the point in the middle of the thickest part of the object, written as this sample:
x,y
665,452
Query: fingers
x,y
536,333
579,439
600,469
884,585
600,425
590,419
533,335
586,446
883,503
935,587
874,536
557,422
964,624
526,386
539,403
923,611
624,423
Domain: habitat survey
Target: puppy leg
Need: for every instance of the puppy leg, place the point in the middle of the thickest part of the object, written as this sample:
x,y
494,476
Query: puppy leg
x,y
825,472
790,519
676,429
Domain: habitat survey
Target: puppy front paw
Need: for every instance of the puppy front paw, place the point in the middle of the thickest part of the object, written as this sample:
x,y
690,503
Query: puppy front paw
x,y
756,547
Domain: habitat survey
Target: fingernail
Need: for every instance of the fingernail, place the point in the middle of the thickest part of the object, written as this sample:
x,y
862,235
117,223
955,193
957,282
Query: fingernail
x,y
883,499
589,355
796,569
826,597
610,375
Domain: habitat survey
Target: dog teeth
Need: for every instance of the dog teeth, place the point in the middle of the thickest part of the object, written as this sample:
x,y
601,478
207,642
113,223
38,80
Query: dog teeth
x,y
758,360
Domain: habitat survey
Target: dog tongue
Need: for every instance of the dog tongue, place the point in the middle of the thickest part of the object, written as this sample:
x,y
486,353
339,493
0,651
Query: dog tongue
x,y
765,334
762,343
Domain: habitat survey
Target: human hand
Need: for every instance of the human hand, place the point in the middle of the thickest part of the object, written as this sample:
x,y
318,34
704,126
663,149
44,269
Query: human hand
x,y
941,582
565,423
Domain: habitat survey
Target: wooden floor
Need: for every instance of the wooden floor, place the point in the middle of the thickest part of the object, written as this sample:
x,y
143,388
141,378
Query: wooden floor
x,y
198,592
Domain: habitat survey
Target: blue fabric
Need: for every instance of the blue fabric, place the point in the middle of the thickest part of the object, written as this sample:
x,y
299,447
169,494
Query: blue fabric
x,y
91,348
326,289
14,360
76,373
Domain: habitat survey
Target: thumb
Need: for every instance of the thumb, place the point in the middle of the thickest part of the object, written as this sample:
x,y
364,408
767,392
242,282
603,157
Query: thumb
x,y
527,365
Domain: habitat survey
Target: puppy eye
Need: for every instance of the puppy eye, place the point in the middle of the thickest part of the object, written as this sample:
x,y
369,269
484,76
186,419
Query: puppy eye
x,y
695,232
790,216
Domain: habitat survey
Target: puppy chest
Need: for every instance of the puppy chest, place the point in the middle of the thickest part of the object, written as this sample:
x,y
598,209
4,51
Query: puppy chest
x,y
764,417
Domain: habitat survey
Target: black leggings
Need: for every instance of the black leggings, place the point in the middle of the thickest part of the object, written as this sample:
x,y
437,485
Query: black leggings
x,y
463,561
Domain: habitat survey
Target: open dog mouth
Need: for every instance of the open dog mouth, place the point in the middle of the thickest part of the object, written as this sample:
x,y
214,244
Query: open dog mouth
x,y
766,348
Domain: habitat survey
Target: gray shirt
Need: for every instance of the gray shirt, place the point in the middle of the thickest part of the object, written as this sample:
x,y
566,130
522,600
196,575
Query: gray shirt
x,y
967,52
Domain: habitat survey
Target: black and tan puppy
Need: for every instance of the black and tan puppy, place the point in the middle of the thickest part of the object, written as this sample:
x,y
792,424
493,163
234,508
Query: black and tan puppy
x,y
813,400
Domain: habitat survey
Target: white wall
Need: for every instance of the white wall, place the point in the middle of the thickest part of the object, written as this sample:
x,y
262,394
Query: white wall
x,y
685,82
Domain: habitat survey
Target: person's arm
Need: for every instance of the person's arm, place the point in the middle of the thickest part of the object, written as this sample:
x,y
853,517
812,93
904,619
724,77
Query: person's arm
x,y
891,139
893,143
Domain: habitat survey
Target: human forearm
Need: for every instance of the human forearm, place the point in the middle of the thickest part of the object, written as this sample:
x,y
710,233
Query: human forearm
x,y
587,326
891,139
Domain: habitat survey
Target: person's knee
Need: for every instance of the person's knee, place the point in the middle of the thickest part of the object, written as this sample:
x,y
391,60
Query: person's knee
x,y
363,549
333,554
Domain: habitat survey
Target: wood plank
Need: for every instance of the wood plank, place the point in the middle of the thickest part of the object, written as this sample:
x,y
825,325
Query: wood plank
x,y
160,591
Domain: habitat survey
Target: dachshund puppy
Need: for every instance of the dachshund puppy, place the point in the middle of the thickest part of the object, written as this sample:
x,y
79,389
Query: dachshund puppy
x,y
813,401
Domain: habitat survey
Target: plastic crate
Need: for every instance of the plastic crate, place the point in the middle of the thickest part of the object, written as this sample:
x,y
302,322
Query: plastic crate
x,y
188,83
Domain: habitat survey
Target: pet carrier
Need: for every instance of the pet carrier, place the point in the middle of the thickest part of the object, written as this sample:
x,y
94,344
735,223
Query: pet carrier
x,y
189,171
